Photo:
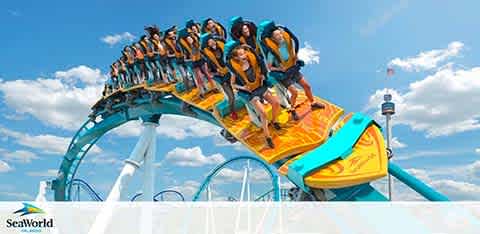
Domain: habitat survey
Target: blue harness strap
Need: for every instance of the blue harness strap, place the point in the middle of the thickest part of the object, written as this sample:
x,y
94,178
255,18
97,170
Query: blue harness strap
x,y
339,146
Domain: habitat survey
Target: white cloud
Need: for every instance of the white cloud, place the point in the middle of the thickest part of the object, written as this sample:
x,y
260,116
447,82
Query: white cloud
x,y
46,143
63,101
16,196
45,173
4,167
426,154
396,144
457,190
429,59
228,175
442,104
14,116
378,22
474,169
117,38
308,54
220,141
192,157
477,150
188,188
104,159
454,190
83,74
20,156
172,126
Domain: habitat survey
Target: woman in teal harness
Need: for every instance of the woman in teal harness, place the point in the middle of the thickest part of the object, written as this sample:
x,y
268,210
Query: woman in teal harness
x,y
281,47
190,44
175,58
147,48
193,27
213,27
245,32
159,52
249,75
213,52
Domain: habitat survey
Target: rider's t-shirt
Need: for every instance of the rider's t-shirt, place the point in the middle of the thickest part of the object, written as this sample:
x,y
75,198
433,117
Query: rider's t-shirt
x,y
283,48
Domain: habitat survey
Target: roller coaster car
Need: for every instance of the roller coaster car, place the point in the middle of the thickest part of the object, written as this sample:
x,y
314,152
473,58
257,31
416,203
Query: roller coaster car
x,y
106,103
366,161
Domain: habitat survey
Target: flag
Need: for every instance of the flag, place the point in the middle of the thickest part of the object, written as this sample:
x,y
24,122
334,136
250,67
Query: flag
x,y
390,71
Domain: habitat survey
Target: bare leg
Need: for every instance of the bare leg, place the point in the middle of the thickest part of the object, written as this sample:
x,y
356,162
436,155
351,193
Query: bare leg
x,y
230,95
307,88
308,91
294,92
198,77
274,103
263,116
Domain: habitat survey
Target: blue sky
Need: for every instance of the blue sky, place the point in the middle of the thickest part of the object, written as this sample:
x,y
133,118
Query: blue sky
x,y
55,57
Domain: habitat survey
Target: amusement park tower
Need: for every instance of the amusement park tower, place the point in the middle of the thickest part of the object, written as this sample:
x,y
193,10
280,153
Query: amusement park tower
x,y
388,110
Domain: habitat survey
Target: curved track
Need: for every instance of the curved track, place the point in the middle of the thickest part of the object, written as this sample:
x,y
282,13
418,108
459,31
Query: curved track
x,y
144,102
217,169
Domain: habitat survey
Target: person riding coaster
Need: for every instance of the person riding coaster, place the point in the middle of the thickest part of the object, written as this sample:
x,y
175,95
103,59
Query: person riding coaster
x,y
129,57
140,62
160,53
245,32
212,48
193,27
175,59
114,74
122,73
190,44
213,27
280,47
147,49
249,74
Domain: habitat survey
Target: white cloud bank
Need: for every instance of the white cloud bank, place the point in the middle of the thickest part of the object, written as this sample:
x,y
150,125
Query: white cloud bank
x,y
442,104
63,101
308,54
429,59
172,126
45,143
192,157
114,39
19,156
45,173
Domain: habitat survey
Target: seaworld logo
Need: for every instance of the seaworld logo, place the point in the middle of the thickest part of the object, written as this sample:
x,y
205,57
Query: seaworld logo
x,y
29,209
31,225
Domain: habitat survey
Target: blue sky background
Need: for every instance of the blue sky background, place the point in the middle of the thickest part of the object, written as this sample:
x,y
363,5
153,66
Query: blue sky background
x,y
438,92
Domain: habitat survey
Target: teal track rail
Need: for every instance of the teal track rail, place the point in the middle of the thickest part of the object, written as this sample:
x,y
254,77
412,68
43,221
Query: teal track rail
x,y
217,169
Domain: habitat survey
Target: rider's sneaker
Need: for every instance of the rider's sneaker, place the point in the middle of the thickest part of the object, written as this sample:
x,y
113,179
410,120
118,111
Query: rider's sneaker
x,y
270,142
276,126
295,115
317,105
234,115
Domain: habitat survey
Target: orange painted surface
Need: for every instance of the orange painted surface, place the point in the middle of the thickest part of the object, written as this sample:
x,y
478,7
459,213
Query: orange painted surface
x,y
367,162
295,136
